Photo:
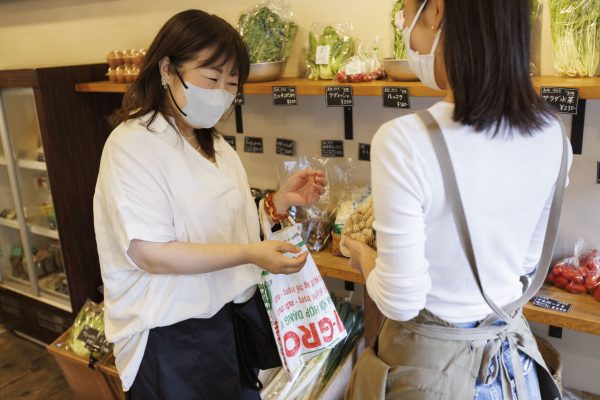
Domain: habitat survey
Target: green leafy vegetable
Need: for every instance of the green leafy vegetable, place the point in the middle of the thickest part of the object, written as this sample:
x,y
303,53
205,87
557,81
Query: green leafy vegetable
x,y
575,26
535,6
268,36
339,48
91,316
399,48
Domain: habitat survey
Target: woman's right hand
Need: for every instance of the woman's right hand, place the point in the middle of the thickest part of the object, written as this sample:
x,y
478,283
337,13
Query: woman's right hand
x,y
269,256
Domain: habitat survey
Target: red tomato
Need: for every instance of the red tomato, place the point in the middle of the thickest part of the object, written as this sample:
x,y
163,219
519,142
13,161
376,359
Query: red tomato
x,y
597,293
550,278
591,282
575,288
560,281
574,275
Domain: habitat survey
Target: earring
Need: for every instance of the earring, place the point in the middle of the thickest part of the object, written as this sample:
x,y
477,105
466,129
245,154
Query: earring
x,y
163,82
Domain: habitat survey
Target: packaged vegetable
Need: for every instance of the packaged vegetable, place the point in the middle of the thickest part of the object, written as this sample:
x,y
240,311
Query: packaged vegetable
x,y
579,274
328,51
351,201
365,66
575,26
268,31
590,264
397,26
86,338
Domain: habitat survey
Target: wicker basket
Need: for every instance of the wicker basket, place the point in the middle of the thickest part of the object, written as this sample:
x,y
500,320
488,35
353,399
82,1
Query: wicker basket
x,y
552,358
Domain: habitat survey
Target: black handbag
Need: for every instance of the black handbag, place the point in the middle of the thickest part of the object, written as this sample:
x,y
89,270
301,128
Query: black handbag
x,y
254,340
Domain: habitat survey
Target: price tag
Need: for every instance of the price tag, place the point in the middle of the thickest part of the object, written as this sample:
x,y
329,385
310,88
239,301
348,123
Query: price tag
x,y
253,145
564,100
88,336
231,141
239,99
322,57
364,152
285,147
551,304
284,96
332,148
395,97
354,67
339,96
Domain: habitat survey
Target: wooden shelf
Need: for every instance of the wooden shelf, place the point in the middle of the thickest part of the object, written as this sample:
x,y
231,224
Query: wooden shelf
x,y
589,88
584,315
336,267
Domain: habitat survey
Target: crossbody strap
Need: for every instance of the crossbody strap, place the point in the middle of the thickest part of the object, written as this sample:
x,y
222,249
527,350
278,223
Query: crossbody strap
x,y
456,204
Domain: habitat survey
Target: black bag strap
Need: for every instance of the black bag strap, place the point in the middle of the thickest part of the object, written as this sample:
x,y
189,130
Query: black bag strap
x,y
452,191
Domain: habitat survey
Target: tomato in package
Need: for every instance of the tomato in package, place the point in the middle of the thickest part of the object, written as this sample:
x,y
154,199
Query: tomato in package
x,y
579,274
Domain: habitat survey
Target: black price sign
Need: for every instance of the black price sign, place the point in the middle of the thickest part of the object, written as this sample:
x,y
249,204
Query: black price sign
x,y
231,141
564,100
332,148
364,152
395,97
94,340
253,145
239,99
551,304
284,96
339,96
285,147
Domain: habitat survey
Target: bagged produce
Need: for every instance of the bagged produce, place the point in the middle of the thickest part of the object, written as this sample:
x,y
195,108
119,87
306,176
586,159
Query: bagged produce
x,y
590,264
579,274
360,227
328,51
347,206
575,26
268,31
397,26
86,338
303,317
365,66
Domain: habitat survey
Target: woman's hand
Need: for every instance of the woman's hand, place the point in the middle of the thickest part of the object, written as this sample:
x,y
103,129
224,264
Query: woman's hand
x,y
362,257
269,256
301,189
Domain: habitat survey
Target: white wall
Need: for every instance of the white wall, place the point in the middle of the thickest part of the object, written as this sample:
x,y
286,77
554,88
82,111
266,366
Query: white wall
x,y
61,32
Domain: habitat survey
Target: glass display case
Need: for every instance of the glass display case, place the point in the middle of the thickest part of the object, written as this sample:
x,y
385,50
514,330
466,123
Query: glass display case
x,y
31,253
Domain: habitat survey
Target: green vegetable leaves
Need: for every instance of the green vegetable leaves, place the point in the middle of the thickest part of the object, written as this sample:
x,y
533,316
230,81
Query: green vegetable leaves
x,y
575,26
327,53
399,47
268,36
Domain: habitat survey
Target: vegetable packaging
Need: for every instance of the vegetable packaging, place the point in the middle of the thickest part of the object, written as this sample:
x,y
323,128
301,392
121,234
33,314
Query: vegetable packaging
x,y
397,25
575,26
268,31
86,338
328,50
365,66
579,274
347,205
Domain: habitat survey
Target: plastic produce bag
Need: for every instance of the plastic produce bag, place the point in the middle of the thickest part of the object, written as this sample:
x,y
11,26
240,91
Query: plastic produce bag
x,y
268,31
365,66
578,274
329,50
590,265
303,316
575,26
397,26
86,338
346,208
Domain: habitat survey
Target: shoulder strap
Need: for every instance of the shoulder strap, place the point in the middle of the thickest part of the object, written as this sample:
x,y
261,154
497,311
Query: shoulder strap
x,y
451,187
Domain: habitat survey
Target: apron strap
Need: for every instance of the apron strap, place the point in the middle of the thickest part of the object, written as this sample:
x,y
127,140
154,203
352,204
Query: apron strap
x,y
440,147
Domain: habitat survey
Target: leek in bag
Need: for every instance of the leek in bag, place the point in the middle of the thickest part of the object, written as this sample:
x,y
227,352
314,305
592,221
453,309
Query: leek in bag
x,y
303,317
397,22
86,337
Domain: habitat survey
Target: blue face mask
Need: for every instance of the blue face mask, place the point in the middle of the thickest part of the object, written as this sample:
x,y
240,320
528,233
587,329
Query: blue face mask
x,y
422,65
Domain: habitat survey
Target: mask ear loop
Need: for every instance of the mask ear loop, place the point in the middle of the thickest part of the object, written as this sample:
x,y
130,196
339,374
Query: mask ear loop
x,y
171,93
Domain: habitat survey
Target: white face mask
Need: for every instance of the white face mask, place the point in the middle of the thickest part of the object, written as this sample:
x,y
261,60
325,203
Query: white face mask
x,y
422,65
204,107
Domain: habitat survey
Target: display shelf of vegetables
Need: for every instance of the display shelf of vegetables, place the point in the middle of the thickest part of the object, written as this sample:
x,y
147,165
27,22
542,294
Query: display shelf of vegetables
x,y
584,315
589,88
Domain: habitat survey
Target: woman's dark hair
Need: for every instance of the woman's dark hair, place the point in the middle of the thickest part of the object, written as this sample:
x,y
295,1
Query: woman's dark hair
x,y
181,38
487,57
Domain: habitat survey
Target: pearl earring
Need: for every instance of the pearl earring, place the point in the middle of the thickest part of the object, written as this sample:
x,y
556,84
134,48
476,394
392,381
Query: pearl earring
x,y
163,82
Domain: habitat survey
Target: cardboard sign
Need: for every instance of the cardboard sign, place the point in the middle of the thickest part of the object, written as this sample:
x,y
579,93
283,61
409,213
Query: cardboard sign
x,y
284,95
339,96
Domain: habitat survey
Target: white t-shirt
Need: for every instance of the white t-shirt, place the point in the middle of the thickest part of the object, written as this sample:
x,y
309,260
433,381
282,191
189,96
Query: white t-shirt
x,y
506,184
154,186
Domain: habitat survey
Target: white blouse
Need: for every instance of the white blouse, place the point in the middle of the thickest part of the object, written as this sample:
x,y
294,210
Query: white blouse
x,y
154,186
506,184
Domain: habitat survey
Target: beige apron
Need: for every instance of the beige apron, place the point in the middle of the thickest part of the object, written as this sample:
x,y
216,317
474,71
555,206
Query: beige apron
x,y
428,358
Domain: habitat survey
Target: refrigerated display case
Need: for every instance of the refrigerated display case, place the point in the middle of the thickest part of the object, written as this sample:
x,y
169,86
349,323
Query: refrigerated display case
x,y
51,140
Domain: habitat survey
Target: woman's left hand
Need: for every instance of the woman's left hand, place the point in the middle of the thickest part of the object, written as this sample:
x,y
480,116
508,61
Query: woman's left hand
x,y
301,189
362,257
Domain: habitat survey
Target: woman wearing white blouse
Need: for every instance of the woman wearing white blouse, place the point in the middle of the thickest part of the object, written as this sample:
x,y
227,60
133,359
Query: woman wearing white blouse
x,y
176,226
505,147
